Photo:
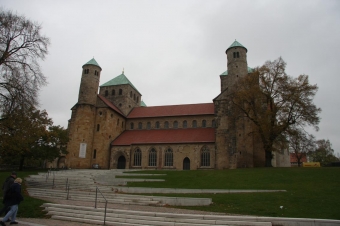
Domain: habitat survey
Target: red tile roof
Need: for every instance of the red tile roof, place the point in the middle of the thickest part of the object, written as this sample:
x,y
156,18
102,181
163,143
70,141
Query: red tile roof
x,y
172,110
109,103
164,136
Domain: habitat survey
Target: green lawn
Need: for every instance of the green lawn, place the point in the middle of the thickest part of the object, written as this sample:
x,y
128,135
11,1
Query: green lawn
x,y
311,192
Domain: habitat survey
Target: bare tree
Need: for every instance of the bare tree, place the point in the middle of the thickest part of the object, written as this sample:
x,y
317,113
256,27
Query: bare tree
x,y
274,102
300,143
21,46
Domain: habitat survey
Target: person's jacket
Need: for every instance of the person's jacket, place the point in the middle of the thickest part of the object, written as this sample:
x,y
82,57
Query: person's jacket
x,y
7,184
13,195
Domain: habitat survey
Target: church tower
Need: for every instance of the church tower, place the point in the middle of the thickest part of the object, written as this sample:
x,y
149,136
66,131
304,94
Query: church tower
x,y
82,123
234,147
237,65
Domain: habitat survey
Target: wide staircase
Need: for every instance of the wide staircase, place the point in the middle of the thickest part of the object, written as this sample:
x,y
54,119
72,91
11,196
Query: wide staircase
x,y
118,217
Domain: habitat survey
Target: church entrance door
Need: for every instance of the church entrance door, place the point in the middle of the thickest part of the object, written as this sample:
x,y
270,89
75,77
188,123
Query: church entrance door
x,y
186,164
121,162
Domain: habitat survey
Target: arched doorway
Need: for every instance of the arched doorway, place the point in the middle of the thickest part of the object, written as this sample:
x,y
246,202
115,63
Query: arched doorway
x,y
121,162
186,163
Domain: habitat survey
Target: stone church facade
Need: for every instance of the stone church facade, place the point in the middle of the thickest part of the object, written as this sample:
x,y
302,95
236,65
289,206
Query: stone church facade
x,y
115,129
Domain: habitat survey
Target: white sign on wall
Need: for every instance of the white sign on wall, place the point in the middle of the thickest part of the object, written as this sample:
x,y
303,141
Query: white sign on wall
x,y
82,150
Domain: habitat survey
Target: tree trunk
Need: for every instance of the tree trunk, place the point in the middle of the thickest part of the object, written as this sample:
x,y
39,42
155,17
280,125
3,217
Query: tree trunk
x,y
21,165
269,157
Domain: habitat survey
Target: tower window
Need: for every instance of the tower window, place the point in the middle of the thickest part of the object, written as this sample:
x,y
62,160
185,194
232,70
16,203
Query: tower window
x,y
113,92
137,99
96,72
94,154
131,125
106,93
86,71
120,91
236,54
130,93
134,96
98,127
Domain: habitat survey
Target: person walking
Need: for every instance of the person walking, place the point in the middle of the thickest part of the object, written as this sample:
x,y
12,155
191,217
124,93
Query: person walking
x,y
12,199
5,187
8,182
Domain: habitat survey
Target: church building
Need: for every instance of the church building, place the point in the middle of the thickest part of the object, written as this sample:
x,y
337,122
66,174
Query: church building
x,y
114,129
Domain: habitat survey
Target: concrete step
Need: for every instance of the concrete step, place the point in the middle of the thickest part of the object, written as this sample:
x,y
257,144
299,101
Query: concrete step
x,y
119,198
128,217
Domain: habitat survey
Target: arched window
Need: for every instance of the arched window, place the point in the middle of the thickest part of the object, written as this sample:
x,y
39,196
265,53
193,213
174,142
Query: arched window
x,y
166,125
152,157
140,125
98,127
106,93
148,125
130,93
205,156
134,96
185,124
175,125
120,91
137,158
94,154
194,124
157,125
204,123
113,92
168,158
213,123
137,99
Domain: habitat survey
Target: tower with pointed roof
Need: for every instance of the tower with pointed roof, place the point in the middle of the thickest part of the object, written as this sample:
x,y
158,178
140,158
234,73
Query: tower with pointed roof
x,y
89,83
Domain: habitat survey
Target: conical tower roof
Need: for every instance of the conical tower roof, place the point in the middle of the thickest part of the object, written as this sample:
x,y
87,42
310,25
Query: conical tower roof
x,y
92,62
236,44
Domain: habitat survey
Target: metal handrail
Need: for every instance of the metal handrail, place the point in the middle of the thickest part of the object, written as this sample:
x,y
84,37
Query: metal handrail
x,y
95,204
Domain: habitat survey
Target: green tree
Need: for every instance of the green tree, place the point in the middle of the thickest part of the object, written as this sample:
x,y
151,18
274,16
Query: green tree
x,y
21,46
323,153
52,144
21,132
275,101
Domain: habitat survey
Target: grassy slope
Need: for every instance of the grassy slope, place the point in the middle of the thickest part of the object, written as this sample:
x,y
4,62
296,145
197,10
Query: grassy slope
x,y
311,192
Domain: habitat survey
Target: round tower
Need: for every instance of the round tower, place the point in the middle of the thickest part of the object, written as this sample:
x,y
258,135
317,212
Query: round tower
x,y
89,83
237,65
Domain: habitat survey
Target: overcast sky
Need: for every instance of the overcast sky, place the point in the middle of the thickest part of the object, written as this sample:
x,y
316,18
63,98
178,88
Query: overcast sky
x,y
174,51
